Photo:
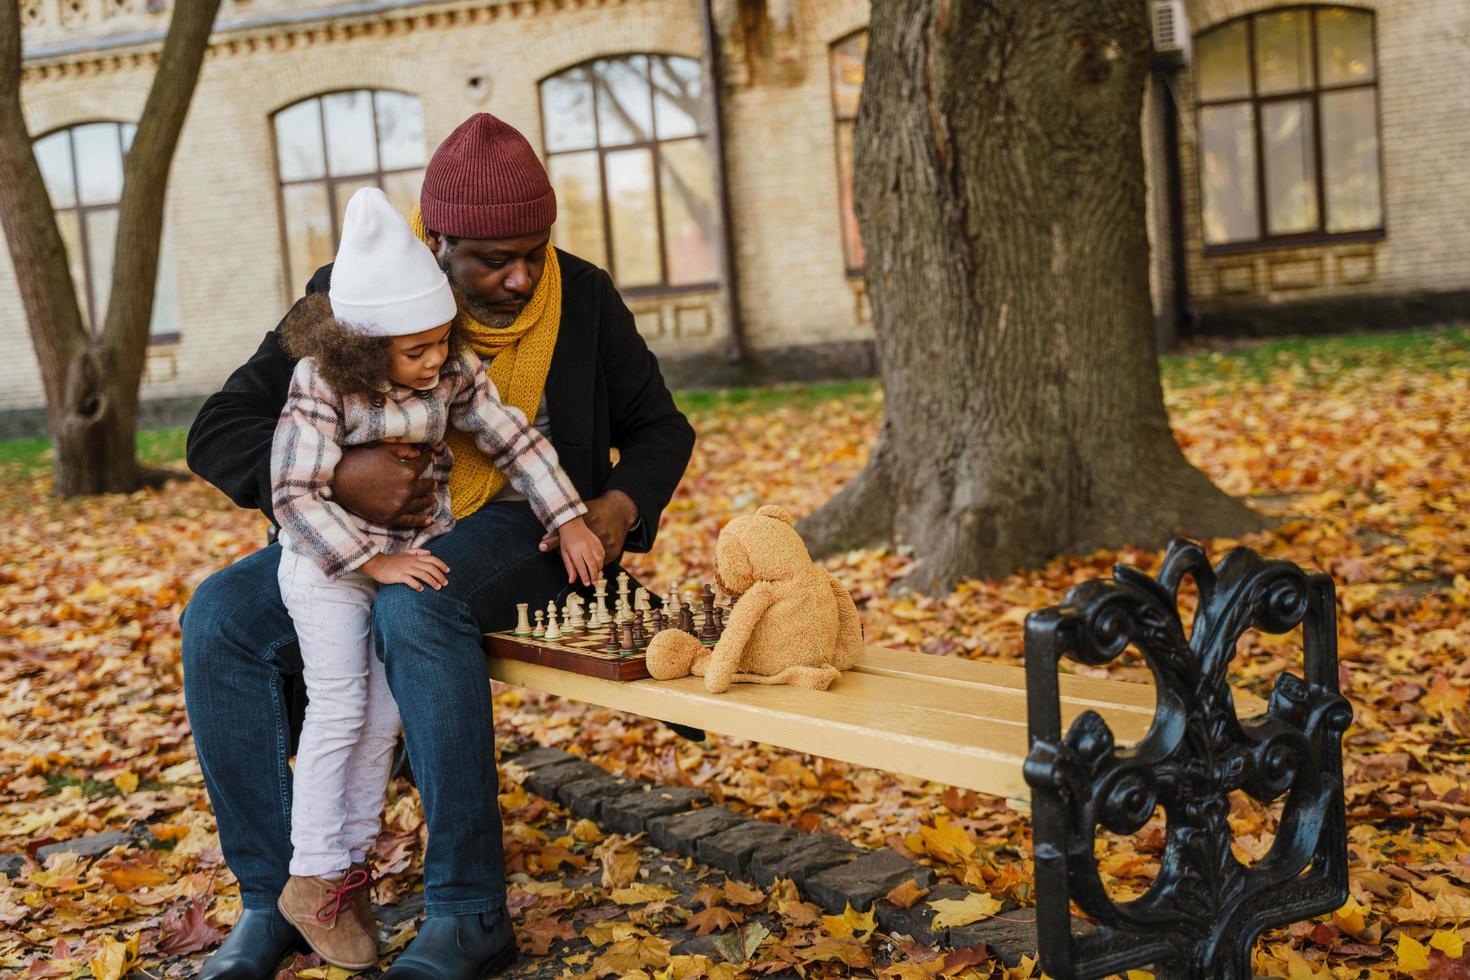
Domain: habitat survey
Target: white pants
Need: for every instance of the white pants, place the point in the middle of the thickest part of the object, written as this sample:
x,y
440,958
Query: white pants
x,y
351,723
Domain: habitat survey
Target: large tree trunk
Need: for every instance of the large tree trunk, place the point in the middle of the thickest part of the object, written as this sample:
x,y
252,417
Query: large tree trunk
x,y
999,185
91,379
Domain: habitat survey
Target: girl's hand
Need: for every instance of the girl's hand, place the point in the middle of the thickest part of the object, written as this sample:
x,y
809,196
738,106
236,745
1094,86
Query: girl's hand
x,y
414,568
581,551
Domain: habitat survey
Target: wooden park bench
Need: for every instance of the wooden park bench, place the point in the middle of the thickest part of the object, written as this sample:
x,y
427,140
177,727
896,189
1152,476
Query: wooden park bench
x,y
1127,749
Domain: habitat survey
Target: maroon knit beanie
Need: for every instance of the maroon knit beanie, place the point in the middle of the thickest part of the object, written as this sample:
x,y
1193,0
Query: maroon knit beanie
x,y
485,181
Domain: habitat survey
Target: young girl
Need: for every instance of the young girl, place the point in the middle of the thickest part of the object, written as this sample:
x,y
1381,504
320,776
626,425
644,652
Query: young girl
x,y
379,363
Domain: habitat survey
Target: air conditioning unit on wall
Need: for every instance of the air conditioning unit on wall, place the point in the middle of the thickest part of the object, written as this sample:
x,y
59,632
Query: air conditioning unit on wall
x,y
1171,31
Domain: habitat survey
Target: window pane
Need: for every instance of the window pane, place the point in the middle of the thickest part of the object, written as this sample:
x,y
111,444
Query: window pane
x,y
851,241
53,153
847,74
343,193
70,225
634,233
101,236
99,163
400,130
1350,160
566,109
578,226
1344,46
1283,52
1291,181
299,141
679,106
1222,71
1228,173
624,109
165,291
350,143
403,190
687,182
309,244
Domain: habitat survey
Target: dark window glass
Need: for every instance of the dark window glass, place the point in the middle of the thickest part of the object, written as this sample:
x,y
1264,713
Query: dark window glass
x,y
847,60
628,151
329,146
83,171
1288,126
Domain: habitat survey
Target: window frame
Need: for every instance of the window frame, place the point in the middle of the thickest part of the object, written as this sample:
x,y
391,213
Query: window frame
x,y
662,287
1312,93
83,210
853,272
327,179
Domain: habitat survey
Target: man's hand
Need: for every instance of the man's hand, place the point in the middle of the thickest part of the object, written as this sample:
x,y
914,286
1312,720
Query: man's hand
x,y
610,517
383,484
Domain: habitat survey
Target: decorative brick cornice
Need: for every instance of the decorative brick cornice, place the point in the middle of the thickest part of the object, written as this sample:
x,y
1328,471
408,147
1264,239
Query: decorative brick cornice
x,y
267,34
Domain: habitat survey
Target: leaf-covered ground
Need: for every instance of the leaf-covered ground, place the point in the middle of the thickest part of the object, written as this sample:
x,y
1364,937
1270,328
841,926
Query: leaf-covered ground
x,y
1362,446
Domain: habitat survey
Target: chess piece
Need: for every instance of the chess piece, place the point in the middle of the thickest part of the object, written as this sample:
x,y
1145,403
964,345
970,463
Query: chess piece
x,y
660,621
686,619
623,589
626,646
553,632
601,609
640,638
540,629
572,620
523,620
707,634
612,638
719,623
640,599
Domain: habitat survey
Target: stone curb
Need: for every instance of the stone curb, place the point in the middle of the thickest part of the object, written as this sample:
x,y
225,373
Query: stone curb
x,y
830,872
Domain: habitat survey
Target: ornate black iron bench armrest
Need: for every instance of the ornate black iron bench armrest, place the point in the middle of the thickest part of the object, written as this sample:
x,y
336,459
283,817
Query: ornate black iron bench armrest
x,y
1204,910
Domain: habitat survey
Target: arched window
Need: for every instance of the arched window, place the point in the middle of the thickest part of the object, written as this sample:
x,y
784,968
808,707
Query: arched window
x,y
1288,127
628,150
847,58
329,146
83,170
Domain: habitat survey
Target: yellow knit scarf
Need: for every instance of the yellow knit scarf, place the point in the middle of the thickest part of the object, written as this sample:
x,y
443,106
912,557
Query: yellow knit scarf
x,y
519,357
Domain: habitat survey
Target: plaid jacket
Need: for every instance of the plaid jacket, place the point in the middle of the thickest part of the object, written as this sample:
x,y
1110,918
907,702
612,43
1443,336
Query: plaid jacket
x,y
317,424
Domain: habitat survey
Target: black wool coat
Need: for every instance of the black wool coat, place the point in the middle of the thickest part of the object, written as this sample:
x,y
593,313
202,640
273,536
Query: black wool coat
x,y
603,391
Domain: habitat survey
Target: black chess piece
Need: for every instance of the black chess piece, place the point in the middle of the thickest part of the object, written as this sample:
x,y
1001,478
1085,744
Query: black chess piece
x,y
640,637
612,637
707,634
686,618
626,647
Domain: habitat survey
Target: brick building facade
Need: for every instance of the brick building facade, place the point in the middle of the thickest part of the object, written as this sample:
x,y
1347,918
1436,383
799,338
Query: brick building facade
x,y
612,92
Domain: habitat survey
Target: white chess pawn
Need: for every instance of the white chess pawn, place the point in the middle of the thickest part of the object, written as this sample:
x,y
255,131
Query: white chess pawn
x,y
553,632
523,620
540,629
601,609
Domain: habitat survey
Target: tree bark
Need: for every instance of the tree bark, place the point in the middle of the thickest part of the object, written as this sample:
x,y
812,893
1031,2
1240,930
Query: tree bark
x,y
999,190
91,379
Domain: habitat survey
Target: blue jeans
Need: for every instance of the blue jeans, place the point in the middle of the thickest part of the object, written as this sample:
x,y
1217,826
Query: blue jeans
x,y
239,653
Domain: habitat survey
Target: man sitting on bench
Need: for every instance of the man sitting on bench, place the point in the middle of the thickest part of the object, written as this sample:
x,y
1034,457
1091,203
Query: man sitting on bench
x,y
567,353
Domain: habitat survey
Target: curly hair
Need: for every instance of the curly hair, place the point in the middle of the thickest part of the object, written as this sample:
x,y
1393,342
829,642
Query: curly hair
x,y
350,362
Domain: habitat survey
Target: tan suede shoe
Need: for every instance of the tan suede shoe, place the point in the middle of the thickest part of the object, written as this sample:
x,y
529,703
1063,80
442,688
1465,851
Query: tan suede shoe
x,y
362,898
326,913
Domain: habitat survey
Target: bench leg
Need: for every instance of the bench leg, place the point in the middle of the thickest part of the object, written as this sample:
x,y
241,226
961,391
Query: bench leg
x,y
1204,910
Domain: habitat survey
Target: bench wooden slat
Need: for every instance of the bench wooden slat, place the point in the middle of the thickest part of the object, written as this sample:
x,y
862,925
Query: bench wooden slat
x,y
953,721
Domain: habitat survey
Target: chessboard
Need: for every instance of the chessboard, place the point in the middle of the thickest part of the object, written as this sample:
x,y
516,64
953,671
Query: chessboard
x,y
586,637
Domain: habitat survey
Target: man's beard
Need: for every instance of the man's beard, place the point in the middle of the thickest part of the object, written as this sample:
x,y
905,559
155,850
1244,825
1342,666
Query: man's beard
x,y
479,310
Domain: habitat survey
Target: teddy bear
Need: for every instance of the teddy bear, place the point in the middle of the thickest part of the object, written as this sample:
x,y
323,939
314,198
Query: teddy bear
x,y
793,622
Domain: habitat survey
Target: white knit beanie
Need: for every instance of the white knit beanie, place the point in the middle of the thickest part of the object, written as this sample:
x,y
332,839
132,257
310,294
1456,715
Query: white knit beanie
x,y
385,282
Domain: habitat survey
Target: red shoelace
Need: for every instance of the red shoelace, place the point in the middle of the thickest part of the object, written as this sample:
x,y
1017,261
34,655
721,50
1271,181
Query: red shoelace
x,y
351,882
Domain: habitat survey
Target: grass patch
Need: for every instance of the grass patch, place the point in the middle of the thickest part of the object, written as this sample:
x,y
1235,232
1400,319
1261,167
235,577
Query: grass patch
x,y
706,401
1308,360
157,447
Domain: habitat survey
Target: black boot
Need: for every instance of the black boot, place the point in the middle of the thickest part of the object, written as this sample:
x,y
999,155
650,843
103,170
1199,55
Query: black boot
x,y
457,947
253,948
